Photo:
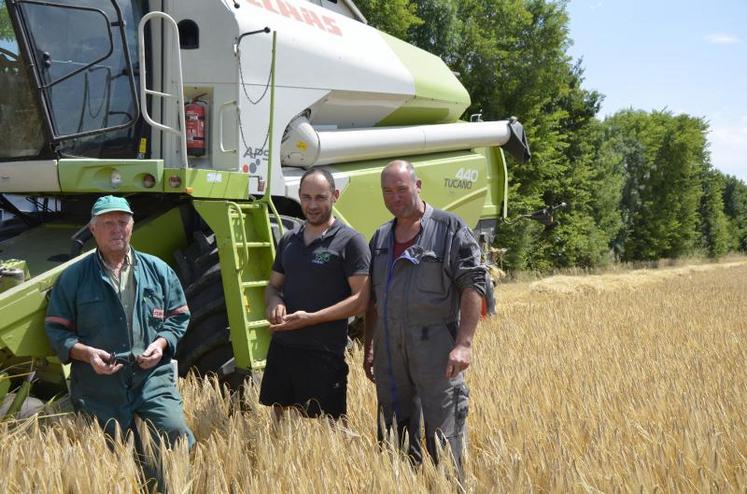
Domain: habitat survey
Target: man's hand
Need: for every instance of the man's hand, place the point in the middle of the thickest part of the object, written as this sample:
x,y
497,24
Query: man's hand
x,y
461,355
276,313
102,362
369,328
368,364
274,302
297,320
153,354
459,359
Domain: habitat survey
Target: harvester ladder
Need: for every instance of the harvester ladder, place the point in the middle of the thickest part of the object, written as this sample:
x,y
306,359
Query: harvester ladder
x,y
253,251
246,252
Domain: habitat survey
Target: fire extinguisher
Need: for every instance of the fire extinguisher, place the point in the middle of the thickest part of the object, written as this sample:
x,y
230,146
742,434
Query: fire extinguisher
x,y
196,126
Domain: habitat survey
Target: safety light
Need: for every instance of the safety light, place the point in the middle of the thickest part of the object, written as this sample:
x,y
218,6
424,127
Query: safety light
x,y
116,179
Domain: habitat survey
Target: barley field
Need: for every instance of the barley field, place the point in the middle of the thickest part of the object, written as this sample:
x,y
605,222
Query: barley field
x,y
624,382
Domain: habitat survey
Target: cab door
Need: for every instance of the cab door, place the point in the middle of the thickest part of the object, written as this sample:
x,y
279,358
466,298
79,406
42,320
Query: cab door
x,y
83,56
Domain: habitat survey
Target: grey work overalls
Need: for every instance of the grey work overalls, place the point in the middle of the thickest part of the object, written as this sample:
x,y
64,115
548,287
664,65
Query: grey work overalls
x,y
417,297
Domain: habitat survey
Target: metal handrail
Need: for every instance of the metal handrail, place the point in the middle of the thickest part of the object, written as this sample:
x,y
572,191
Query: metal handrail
x,y
220,125
178,96
267,197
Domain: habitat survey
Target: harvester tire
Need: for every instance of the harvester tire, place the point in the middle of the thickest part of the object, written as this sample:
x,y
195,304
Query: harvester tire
x,y
206,346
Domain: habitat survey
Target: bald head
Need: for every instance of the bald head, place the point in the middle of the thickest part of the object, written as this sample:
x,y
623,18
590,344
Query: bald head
x,y
401,190
400,167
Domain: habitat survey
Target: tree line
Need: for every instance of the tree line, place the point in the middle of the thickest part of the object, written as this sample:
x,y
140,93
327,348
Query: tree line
x,y
639,185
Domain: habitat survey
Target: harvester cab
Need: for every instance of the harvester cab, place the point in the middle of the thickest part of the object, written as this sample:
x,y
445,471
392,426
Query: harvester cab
x,y
205,114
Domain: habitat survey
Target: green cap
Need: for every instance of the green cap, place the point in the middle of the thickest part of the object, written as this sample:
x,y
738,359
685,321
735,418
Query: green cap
x,y
109,204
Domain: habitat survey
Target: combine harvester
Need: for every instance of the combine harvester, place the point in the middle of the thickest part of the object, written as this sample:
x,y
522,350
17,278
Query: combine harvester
x,y
204,114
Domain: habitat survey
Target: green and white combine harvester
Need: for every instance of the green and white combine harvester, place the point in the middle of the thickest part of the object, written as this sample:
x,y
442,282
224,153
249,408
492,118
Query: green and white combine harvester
x,y
204,114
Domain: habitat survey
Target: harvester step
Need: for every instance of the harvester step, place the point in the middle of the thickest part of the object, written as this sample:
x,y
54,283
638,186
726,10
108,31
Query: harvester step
x,y
254,245
263,323
254,284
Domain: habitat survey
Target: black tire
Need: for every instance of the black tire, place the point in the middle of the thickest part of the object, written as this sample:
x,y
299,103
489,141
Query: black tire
x,y
206,346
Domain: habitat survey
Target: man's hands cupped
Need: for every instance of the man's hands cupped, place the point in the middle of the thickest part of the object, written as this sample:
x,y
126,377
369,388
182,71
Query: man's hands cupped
x,y
296,320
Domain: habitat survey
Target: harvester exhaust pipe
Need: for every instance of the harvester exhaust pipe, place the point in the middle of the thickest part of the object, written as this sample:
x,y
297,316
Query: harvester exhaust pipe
x,y
305,146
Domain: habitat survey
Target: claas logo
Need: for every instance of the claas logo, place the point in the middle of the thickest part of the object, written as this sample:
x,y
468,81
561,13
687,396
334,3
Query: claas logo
x,y
300,14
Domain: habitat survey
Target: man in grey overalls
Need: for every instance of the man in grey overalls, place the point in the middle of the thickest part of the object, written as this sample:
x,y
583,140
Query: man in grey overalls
x,y
428,282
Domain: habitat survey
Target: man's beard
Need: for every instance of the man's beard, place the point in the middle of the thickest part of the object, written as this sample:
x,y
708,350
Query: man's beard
x,y
320,221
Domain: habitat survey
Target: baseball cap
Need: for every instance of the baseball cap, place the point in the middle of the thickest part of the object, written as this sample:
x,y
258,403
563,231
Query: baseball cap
x,y
108,204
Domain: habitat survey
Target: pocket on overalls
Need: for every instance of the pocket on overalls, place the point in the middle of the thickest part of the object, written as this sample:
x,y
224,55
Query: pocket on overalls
x,y
461,408
429,275
154,308
93,313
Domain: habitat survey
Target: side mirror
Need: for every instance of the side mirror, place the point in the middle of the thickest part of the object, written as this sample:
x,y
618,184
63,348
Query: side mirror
x,y
546,215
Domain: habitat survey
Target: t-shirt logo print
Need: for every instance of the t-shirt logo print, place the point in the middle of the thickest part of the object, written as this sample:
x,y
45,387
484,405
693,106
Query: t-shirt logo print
x,y
321,257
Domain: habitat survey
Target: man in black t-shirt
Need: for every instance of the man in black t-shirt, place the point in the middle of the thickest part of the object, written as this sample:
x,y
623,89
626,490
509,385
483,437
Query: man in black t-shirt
x,y
319,279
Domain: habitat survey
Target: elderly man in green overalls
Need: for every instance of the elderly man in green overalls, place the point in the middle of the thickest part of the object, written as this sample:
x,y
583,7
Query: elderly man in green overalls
x,y
117,316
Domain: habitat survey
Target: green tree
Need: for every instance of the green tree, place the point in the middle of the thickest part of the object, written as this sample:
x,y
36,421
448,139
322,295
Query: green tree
x,y
607,186
678,170
395,17
512,59
735,209
6,29
442,31
590,183
714,227
664,157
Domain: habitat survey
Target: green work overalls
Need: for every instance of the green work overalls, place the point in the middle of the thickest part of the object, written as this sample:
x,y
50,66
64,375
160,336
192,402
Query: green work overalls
x,y
84,307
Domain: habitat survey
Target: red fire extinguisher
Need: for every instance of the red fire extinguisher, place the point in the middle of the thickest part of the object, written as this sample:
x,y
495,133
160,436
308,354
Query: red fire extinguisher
x,y
196,127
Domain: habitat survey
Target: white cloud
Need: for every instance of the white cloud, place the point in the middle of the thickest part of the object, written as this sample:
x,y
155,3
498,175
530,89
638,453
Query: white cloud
x,y
722,39
729,147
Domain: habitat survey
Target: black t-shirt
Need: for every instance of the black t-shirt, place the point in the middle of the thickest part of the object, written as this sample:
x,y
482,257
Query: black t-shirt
x,y
316,276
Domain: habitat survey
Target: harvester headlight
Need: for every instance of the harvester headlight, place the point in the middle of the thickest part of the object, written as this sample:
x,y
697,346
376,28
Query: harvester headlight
x,y
149,181
175,181
116,179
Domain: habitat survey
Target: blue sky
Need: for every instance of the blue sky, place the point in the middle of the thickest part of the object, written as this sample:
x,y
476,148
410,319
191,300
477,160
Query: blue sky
x,y
684,56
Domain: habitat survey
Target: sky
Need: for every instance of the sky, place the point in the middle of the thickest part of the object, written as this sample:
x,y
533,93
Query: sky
x,y
684,56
